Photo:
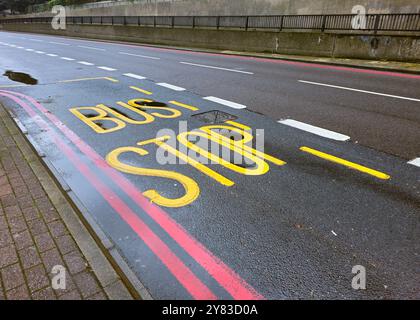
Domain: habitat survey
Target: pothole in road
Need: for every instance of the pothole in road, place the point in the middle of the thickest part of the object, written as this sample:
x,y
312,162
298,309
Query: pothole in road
x,y
20,77
214,117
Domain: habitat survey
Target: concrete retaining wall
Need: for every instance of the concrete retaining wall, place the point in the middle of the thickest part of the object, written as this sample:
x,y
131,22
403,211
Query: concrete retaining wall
x,y
398,48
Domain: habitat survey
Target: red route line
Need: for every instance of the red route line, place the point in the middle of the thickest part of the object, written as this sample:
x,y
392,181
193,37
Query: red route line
x,y
178,269
225,276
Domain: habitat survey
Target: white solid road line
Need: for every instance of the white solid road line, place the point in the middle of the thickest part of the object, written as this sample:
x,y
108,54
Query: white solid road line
x,y
217,68
85,63
107,68
358,90
315,130
139,55
415,162
135,76
227,103
170,86
67,59
92,48
59,43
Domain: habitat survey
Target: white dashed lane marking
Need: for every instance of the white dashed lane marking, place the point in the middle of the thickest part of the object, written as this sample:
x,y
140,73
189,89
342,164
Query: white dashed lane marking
x,y
135,76
107,68
415,162
170,86
315,130
224,102
85,63
67,59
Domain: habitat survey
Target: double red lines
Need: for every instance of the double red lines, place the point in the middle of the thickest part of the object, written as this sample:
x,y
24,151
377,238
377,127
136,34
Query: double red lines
x,y
223,275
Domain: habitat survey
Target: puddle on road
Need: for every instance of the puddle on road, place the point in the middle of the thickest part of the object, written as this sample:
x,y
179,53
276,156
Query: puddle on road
x,y
20,77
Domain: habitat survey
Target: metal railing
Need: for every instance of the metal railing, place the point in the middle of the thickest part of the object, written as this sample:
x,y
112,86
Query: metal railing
x,y
372,22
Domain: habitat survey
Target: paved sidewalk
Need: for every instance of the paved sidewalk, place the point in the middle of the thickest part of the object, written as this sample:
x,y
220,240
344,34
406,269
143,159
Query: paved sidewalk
x,y
34,236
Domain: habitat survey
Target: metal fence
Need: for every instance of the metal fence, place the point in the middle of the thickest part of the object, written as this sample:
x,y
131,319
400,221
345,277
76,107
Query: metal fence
x,y
371,22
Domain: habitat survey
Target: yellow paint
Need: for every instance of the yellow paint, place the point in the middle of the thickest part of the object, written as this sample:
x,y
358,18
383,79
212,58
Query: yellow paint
x,y
239,125
111,79
132,105
147,117
88,79
102,116
14,85
183,105
247,137
352,165
261,167
192,190
141,90
194,163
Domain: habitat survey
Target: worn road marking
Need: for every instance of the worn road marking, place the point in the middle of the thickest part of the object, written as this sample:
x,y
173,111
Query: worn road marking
x,y
183,105
217,68
87,79
141,90
358,90
351,165
85,63
107,68
139,55
36,40
315,130
92,48
30,50
170,86
135,76
230,104
415,162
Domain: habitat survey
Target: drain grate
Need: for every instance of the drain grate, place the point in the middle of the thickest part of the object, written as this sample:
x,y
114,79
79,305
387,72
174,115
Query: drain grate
x,y
214,117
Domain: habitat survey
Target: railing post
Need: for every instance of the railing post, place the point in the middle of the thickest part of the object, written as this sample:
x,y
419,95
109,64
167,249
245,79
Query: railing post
x,y
281,23
154,21
138,20
376,25
173,22
101,20
124,21
112,20
324,22
193,22
218,22
246,23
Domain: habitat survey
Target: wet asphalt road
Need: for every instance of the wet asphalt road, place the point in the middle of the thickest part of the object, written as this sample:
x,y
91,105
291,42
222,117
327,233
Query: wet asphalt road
x,y
294,232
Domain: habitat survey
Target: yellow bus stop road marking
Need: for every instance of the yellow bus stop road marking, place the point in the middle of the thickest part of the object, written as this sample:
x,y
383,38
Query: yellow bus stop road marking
x,y
88,79
141,90
351,165
183,105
